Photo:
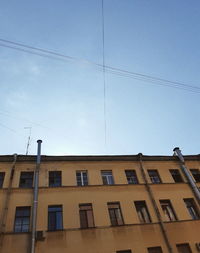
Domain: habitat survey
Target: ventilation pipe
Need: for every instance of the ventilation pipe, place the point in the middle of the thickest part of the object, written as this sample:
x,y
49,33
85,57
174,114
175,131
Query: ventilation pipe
x,y
35,196
7,200
177,152
153,201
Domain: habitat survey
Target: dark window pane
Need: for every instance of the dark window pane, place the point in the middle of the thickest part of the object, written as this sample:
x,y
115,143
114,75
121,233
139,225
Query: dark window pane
x,y
168,210
55,220
59,220
142,211
55,178
51,221
115,214
192,208
154,250
176,176
25,228
131,176
26,180
83,219
154,176
2,175
183,248
196,174
22,219
86,216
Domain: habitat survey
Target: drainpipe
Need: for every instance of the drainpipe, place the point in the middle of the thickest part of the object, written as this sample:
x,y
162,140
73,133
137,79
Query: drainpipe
x,y
177,152
7,200
35,197
153,201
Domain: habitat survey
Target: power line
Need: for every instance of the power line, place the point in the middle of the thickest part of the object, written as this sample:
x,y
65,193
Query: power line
x,y
109,69
8,114
10,129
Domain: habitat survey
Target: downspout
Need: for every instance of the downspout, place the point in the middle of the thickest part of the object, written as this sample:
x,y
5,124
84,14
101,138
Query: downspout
x,y
177,152
148,188
35,197
7,200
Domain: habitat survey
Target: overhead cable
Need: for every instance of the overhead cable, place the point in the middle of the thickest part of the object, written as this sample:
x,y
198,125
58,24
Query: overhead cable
x,y
109,69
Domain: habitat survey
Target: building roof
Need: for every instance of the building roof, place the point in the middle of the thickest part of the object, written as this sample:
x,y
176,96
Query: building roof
x,y
44,158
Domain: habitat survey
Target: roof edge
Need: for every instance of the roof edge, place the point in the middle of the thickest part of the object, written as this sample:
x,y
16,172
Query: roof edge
x,y
45,158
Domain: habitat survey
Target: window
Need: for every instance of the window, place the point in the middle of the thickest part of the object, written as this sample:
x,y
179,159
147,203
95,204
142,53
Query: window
x,y
131,176
192,208
2,175
124,251
196,174
176,176
183,248
142,211
81,178
168,210
54,178
22,219
107,177
55,218
154,176
86,216
154,250
115,214
26,180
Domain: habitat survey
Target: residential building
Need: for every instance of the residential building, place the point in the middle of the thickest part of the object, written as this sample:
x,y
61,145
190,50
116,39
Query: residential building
x,y
101,204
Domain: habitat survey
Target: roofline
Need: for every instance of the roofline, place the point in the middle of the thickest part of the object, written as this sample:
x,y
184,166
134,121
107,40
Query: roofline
x,y
44,158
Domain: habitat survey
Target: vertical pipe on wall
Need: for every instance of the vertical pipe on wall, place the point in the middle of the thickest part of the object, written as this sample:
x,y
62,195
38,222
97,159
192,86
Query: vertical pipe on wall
x,y
191,182
164,232
35,196
7,199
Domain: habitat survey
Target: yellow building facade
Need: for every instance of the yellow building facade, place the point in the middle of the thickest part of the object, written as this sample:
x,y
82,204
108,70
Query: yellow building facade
x,y
100,204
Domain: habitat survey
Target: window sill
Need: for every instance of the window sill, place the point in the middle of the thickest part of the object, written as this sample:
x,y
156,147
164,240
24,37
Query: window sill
x,y
56,230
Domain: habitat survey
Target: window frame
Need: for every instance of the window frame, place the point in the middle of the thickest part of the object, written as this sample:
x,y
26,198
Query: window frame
x,y
152,177
82,182
87,212
184,244
2,178
131,179
195,175
176,176
21,218
23,176
194,214
140,213
117,212
170,212
108,177
149,249
55,226
52,176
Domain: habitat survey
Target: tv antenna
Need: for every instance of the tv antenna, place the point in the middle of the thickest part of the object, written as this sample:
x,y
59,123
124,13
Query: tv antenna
x,y
29,139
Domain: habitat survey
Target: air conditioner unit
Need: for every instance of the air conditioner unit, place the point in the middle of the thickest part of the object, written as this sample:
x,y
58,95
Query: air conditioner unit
x,y
40,235
198,246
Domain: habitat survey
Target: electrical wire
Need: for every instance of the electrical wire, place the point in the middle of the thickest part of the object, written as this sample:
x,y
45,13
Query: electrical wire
x,y
8,114
109,69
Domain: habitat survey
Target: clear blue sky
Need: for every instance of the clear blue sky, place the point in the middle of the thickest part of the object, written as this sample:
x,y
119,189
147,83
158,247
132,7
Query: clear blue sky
x,y
63,101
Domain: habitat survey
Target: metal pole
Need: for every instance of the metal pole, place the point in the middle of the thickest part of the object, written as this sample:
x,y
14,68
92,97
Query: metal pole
x,y
7,200
153,201
35,197
192,184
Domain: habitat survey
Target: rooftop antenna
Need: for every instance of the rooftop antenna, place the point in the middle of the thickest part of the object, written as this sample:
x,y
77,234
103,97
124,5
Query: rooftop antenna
x,y
29,139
